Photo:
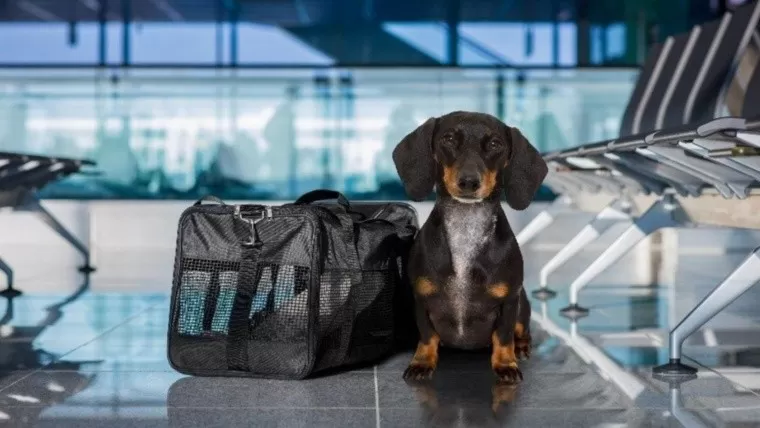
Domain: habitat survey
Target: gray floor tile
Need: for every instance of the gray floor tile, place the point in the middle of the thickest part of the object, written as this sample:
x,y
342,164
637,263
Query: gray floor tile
x,y
347,390
11,377
506,416
89,388
290,418
55,421
136,345
472,389
201,418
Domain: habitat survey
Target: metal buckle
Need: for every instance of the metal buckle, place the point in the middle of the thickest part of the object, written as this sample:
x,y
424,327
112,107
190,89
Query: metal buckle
x,y
252,223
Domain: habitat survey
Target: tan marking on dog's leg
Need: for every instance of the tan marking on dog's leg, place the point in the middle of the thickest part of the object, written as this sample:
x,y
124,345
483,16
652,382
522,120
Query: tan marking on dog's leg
x,y
504,361
519,329
523,342
503,354
425,360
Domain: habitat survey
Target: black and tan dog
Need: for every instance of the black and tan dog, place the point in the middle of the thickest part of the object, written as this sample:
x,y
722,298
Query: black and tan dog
x,y
465,263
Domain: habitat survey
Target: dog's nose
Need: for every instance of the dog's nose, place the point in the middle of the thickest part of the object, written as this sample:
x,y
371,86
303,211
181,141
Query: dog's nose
x,y
469,183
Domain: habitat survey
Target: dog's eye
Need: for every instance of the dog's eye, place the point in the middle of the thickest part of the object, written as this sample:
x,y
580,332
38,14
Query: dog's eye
x,y
495,145
448,140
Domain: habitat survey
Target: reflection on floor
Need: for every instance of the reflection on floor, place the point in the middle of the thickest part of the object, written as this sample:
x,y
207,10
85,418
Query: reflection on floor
x,y
76,353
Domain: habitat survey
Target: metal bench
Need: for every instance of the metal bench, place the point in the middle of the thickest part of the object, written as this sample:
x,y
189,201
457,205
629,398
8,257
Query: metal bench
x,y
668,87
21,176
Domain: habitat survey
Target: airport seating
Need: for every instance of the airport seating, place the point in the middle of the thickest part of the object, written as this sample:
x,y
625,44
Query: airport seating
x,y
660,99
21,177
679,160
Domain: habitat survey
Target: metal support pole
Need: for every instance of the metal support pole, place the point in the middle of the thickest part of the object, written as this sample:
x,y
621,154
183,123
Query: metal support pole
x,y
126,16
543,219
234,16
736,284
102,32
664,213
501,112
617,211
452,21
32,204
219,48
9,291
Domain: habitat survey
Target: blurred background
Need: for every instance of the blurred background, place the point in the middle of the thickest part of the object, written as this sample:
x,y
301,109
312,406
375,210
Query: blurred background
x,y
266,99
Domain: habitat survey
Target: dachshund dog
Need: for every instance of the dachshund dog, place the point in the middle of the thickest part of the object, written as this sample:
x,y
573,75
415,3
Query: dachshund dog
x,y
465,265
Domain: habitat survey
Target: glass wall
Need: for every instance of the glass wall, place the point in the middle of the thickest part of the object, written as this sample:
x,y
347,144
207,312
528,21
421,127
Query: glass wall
x,y
276,133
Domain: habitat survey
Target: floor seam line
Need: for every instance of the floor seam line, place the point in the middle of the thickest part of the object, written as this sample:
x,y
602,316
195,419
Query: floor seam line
x,y
377,399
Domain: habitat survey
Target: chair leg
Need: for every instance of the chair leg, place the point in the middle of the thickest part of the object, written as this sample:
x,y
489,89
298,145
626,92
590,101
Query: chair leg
x,y
739,281
660,215
543,220
33,204
681,413
618,210
9,291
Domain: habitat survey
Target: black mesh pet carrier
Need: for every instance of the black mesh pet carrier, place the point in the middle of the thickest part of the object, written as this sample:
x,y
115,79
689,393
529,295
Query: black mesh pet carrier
x,y
285,291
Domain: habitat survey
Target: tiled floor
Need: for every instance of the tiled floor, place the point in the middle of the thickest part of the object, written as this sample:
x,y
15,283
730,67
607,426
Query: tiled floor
x,y
99,359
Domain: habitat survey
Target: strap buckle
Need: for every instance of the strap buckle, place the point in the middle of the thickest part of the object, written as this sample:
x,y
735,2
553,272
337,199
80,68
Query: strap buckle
x,y
254,238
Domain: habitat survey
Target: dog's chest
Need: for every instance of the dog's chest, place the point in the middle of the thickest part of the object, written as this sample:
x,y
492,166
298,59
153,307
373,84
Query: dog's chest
x,y
468,230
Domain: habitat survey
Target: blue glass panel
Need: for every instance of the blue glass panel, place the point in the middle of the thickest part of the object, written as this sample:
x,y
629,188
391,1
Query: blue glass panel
x,y
428,37
47,43
173,43
273,134
267,44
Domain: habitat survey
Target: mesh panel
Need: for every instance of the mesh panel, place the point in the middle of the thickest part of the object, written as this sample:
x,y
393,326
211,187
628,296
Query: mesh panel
x,y
207,293
280,309
192,295
372,333
228,288
356,320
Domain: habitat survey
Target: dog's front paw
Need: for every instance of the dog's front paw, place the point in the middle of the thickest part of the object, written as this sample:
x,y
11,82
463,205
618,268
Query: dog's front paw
x,y
418,371
509,374
522,348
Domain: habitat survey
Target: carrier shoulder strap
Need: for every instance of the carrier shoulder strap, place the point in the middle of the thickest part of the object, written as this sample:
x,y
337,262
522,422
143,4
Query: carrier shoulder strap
x,y
248,282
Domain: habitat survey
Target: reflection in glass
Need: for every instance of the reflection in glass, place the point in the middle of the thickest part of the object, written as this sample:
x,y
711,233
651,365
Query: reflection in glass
x,y
275,134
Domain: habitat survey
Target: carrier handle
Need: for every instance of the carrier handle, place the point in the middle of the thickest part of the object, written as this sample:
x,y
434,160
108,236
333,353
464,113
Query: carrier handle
x,y
209,198
323,195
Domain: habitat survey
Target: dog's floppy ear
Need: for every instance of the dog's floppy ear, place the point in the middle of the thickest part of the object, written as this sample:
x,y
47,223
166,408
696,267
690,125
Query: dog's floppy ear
x,y
524,172
414,161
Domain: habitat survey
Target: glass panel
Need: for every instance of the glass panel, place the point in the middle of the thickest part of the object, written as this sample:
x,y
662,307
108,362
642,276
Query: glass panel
x,y
267,44
173,43
428,37
273,134
529,44
48,43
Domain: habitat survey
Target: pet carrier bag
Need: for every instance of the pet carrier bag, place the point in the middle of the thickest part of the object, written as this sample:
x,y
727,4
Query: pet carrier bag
x,y
285,291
